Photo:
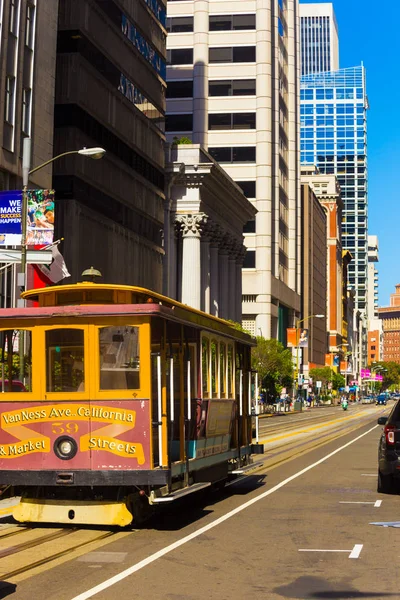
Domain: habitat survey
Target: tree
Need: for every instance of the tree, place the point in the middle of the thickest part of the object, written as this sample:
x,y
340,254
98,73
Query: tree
x,y
391,376
328,375
274,365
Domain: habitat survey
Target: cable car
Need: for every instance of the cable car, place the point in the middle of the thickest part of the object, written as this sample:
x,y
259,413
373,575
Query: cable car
x,y
115,399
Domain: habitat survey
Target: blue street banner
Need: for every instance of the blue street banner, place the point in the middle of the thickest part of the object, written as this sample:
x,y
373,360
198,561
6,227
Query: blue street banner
x,y
40,217
10,218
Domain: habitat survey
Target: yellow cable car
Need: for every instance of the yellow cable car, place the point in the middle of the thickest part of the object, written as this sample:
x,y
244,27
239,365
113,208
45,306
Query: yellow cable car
x,y
115,398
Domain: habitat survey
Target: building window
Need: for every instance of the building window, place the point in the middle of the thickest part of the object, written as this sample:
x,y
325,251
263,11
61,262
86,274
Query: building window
x,y
180,89
14,16
241,154
232,121
26,112
235,87
179,122
180,56
248,188
9,100
30,25
250,226
229,22
232,54
143,47
249,260
180,24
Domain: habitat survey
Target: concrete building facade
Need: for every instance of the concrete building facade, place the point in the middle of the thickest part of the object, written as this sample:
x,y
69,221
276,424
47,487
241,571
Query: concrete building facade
x,y
110,92
314,280
375,333
203,233
327,190
233,85
28,38
319,38
390,317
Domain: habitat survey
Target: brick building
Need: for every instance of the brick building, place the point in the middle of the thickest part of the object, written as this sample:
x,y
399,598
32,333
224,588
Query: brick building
x,y
390,316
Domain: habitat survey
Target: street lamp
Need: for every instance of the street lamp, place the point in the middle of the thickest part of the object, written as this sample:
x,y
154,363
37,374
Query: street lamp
x,y
377,368
94,153
298,321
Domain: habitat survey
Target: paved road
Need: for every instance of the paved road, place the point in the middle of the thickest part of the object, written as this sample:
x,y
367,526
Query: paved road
x,y
299,528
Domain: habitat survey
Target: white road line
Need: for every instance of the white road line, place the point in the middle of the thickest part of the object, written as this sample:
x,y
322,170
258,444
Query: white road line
x,y
322,550
369,475
377,503
153,557
355,553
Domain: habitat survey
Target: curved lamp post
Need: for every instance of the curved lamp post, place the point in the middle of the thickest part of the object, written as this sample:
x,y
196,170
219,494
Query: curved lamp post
x,y
94,153
377,369
298,321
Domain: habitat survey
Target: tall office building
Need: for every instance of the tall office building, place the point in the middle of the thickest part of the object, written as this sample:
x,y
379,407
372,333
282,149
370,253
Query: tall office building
x,y
28,39
334,137
110,92
375,333
319,42
233,87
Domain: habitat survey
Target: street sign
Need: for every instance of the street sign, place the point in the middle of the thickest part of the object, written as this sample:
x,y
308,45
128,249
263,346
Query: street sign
x,y
319,384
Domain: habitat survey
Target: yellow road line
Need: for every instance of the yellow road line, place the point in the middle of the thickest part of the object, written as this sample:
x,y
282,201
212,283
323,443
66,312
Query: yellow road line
x,y
310,429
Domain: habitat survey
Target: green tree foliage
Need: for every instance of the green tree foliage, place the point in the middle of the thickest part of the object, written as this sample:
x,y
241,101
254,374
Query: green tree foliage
x,y
181,141
274,365
391,377
328,375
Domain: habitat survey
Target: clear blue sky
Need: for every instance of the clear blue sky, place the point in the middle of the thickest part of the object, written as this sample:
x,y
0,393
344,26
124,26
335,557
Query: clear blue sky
x,y
370,34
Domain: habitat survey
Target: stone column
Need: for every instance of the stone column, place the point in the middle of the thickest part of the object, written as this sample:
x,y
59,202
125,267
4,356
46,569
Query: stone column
x,y
214,279
239,286
205,271
223,279
232,291
191,258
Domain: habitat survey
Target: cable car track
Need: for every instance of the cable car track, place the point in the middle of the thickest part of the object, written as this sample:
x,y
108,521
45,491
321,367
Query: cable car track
x,y
12,533
52,557
267,429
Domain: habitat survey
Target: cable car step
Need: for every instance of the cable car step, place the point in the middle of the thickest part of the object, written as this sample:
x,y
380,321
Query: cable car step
x,y
247,468
196,487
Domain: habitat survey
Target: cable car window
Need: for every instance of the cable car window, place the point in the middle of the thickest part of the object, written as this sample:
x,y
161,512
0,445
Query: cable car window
x,y
230,371
205,362
13,376
65,360
119,358
222,367
214,364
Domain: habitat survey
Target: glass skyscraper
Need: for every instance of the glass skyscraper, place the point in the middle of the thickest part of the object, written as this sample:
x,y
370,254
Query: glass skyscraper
x,y
333,111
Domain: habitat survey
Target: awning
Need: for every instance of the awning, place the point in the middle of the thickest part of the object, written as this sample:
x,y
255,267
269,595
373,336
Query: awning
x,y
33,257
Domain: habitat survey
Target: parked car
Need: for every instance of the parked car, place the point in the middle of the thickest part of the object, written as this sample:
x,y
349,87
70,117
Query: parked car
x,y
381,399
368,399
389,451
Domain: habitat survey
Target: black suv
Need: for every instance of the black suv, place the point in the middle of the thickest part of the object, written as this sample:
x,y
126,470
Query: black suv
x,y
389,451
